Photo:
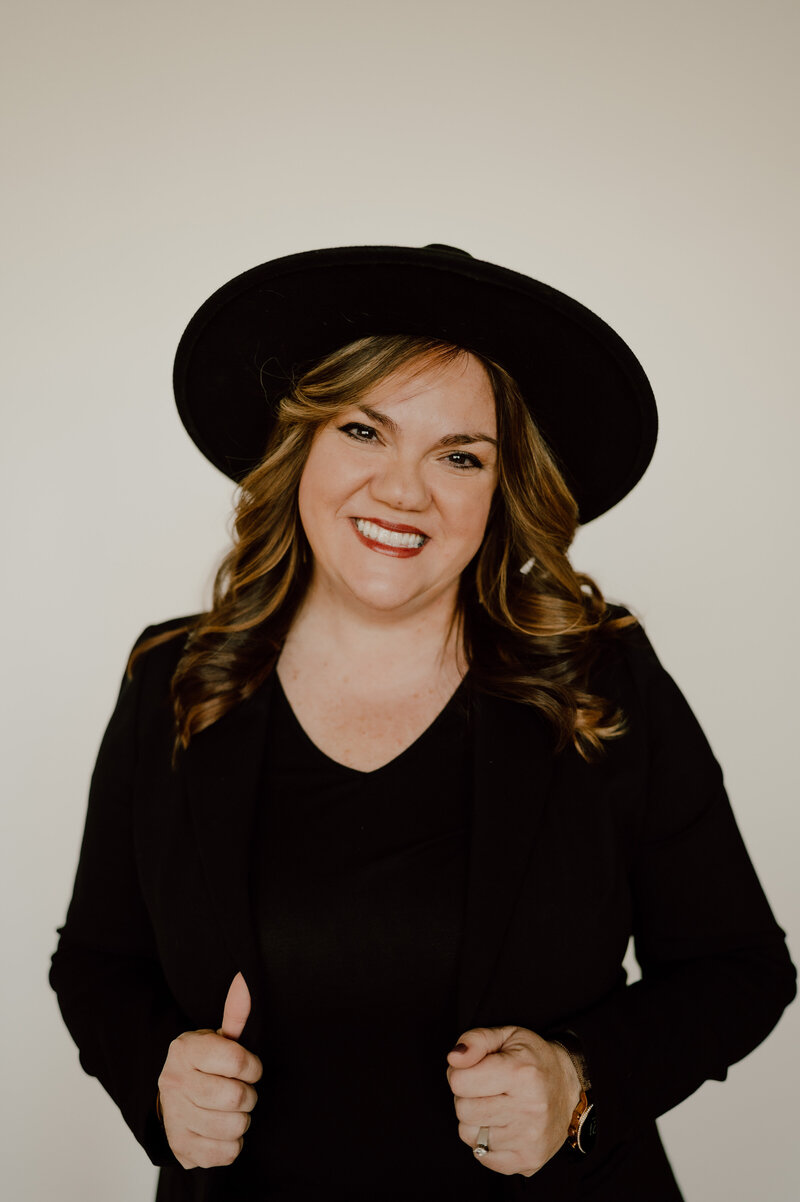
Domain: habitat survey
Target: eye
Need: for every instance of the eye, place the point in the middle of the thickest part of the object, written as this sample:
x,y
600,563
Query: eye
x,y
358,432
467,460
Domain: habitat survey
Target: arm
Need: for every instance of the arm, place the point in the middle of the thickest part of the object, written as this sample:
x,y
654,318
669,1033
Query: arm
x,y
716,974
105,971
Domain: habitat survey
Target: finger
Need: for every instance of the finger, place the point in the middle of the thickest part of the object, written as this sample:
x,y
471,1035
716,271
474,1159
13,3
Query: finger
x,y
486,1112
221,1093
237,1008
496,1074
474,1045
203,1153
218,1124
222,1057
469,1132
499,1159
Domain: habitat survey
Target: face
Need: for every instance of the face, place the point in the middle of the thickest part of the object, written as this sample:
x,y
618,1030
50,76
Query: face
x,y
396,491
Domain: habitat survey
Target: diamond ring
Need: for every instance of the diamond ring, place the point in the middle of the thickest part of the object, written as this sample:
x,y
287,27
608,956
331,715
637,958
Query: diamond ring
x,y
482,1146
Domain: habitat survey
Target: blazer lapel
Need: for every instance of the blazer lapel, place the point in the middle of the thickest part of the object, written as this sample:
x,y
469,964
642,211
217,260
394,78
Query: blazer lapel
x,y
221,769
512,767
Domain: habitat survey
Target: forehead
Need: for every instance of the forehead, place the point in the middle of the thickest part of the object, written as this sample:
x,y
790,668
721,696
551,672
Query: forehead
x,y
429,389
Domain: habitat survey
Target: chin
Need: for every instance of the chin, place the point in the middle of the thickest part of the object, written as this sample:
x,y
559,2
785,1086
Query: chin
x,y
384,600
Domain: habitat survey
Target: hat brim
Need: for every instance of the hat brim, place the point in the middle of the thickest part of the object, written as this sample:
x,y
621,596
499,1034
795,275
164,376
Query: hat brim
x,y
586,391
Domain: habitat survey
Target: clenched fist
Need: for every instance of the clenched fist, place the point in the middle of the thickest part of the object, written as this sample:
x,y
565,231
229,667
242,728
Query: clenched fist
x,y
206,1088
521,1087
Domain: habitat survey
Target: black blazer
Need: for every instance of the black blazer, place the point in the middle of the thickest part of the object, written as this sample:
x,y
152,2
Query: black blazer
x,y
567,861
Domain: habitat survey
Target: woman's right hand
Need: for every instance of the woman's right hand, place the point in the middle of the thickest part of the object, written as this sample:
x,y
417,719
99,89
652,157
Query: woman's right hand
x,y
206,1088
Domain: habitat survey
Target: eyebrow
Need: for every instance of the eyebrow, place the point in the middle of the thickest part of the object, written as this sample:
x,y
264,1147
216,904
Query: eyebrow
x,y
449,440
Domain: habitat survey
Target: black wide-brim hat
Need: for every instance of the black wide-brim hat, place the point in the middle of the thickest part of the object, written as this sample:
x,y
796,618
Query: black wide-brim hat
x,y
584,387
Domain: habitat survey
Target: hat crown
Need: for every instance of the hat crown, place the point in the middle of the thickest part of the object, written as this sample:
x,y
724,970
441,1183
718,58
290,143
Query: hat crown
x,y
453,250
584,387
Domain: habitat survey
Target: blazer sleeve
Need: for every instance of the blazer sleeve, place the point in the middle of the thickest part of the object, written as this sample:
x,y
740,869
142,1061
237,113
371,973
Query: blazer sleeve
x,y
716,974
106,971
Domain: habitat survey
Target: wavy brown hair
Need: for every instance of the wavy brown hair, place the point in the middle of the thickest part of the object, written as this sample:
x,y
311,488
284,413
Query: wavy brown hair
x,y
531,636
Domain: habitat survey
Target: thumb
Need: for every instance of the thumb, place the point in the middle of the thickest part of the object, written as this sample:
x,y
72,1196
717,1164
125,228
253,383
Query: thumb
x,y
237,1008
477,1043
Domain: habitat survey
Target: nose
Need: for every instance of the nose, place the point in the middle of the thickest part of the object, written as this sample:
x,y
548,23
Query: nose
x,y
400,484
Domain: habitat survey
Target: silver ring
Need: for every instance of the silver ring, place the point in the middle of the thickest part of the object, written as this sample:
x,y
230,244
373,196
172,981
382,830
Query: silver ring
x,y
482,1146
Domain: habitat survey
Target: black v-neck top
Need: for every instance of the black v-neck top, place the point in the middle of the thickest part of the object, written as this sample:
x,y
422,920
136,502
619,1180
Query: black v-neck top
x,y
360,889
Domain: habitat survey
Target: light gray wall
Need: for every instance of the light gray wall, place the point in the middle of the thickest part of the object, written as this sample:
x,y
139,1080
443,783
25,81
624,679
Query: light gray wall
x,y
639,155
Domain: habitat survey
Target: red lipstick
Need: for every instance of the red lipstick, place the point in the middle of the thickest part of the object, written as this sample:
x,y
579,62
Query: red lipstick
x,y
382,548
393,526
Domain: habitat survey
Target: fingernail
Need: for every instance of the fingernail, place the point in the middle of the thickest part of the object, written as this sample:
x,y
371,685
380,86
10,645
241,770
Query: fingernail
x,y
460,1047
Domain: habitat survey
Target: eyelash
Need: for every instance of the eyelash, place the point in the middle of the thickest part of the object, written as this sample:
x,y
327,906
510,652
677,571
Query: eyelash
x,y
462,467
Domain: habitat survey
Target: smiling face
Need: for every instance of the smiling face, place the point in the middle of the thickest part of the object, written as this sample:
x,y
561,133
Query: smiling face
x,y
395,493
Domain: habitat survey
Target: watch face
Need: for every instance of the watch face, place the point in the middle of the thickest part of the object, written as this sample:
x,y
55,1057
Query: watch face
x,y
587,1130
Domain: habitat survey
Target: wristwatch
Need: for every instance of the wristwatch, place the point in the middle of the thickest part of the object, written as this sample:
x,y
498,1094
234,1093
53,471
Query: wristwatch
x,y
582,1131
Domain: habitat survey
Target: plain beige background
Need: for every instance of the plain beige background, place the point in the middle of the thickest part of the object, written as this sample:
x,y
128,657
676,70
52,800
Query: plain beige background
x,y
638,155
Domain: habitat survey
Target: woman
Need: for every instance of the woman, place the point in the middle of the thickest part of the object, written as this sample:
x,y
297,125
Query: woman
x,y
366,842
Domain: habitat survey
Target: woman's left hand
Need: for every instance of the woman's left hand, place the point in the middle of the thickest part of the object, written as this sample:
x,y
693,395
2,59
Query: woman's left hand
x,y
520,1086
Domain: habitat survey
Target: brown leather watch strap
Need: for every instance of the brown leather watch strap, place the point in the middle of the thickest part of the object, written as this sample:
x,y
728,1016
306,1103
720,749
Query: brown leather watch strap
x,y
575,1121
581,1133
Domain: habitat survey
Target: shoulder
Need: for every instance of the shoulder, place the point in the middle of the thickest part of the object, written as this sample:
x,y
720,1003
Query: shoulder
x,y
144,706
170,627
628,653
157,651
655,709
623,653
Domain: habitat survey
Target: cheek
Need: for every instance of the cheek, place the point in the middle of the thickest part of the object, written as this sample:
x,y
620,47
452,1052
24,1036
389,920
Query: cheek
x,y
327,481
317,477
311,495
465,527
470,520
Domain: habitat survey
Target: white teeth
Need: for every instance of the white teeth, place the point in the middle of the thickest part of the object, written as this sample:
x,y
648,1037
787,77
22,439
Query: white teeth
x,y
390,538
